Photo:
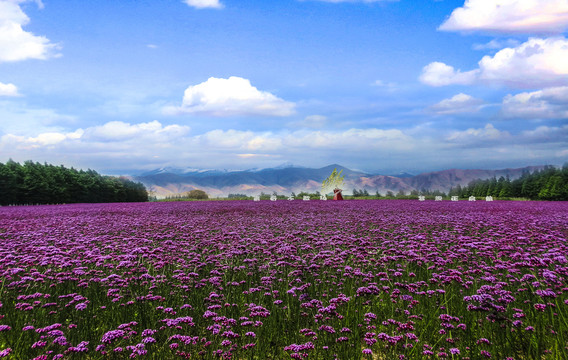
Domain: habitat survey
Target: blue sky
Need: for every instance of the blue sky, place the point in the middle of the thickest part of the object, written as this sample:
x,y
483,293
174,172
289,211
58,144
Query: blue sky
x,y
380,86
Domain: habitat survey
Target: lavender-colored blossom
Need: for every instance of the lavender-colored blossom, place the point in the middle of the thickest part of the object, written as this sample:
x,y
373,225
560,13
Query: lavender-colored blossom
x,y
39,344
148,340
112,335
388,270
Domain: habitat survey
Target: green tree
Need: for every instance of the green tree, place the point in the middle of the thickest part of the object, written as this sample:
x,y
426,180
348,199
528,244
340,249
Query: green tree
x,y
506,189
553,189
35,183
198,194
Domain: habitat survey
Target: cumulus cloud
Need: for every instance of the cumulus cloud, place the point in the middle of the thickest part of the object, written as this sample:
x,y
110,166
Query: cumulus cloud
x,y
509,16
389,86
549,103
203,4
460,103
123,146
267,142
110,140
351,139
120,131
535,63
234,96
487,133
117,137
440,74
15,43
488,145
41,140
547,135
8,90
241,140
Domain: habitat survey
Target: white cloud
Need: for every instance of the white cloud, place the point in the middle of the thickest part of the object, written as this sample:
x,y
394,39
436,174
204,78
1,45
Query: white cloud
x,y
460,103
351,140
240,140
440,74
123,146
305,141
546,135
110,142
234,96
535,63
488,133
549,103
41,140
203,4
172,141
509,16
15,43
497,44
390,86
120,131
8,90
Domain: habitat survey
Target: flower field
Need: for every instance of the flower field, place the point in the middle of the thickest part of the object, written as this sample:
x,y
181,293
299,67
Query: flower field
x,y
369,279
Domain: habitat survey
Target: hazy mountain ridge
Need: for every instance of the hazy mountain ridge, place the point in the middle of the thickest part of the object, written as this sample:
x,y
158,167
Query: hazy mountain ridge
x,y
290,178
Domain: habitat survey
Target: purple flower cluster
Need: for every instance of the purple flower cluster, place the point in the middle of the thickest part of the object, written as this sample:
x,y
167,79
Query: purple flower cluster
x,y
234,280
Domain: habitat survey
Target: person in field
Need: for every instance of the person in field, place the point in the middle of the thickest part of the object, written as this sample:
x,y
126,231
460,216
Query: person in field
x,y
337,194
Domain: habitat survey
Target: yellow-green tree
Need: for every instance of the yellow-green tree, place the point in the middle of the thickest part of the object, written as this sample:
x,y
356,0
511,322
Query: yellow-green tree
x,y
335,180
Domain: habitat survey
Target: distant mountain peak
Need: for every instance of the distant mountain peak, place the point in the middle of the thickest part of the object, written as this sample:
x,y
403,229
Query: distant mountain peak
x,y
287,178
403,174
286,165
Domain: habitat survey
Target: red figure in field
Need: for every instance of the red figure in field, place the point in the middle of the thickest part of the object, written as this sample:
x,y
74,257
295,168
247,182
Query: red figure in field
x,y
337,194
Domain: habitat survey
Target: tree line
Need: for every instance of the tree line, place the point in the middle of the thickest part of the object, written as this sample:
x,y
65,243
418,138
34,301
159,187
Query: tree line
x,y
190,195
550,183
34,183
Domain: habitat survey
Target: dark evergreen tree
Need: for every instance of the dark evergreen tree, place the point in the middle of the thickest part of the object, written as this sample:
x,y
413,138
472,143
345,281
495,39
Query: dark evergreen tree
x,y
549,183
34,183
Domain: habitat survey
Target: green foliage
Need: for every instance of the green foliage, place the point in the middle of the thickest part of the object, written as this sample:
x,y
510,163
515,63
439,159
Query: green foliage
x,y
548,184
238,196
197,194
360,193
313,196
34,183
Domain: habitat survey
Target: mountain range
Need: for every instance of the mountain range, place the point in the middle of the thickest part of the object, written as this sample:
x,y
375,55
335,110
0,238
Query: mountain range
x,y
289,178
